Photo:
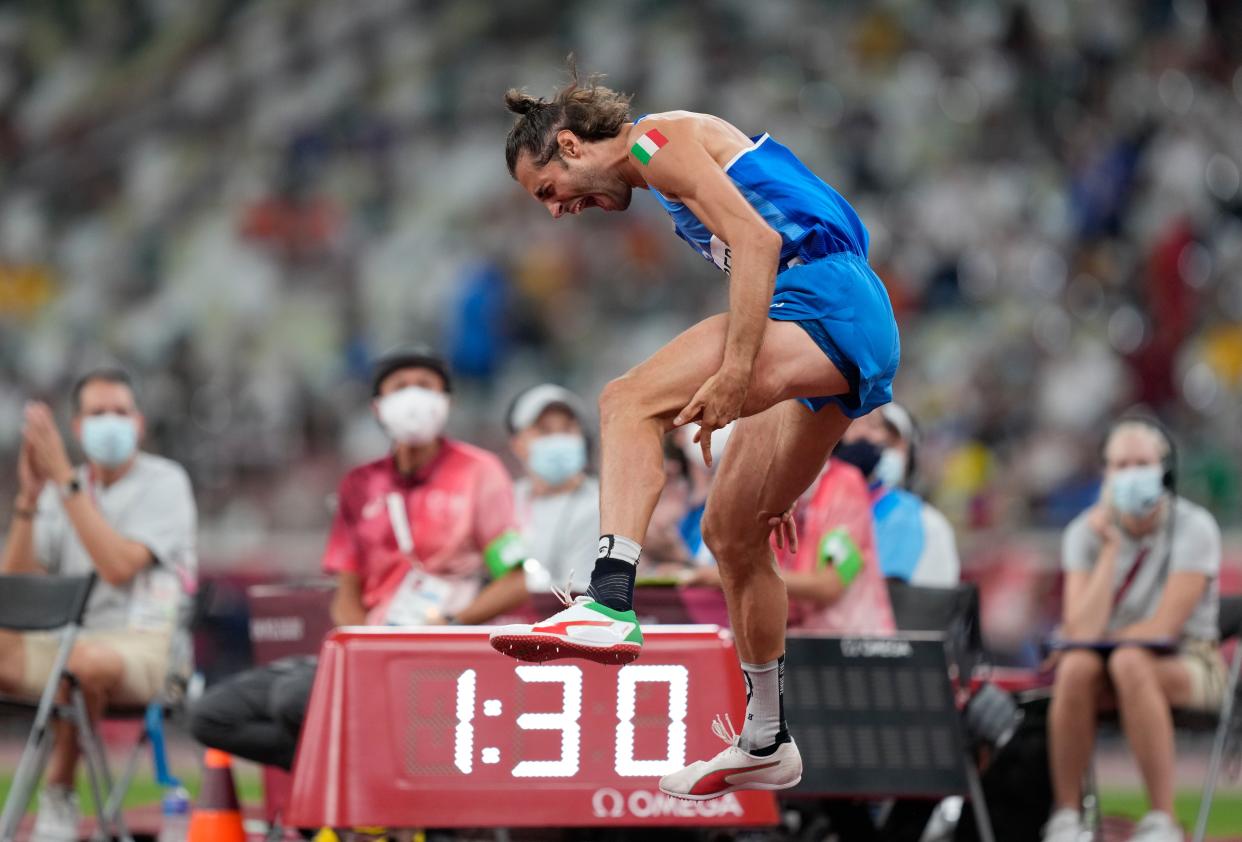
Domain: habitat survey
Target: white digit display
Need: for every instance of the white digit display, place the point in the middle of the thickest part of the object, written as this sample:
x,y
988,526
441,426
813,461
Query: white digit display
x,y
678,680
565,720
463,738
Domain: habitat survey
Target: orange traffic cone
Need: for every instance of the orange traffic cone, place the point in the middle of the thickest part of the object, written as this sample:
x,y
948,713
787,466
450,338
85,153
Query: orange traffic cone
x,y
217,816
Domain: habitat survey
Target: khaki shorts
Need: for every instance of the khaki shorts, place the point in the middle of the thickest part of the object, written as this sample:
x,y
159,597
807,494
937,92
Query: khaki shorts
x,y
1207,671
144,653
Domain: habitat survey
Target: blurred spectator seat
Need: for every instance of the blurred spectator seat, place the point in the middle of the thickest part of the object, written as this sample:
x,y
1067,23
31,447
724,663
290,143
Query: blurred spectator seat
x,y
44,603
170,703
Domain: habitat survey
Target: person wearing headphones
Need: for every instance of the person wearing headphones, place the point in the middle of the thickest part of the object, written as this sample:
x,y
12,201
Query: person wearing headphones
x,y
557,501
1139,625
914,539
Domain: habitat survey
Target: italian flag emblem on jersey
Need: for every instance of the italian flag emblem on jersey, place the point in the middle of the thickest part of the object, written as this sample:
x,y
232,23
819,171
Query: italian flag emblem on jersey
x,y
649,144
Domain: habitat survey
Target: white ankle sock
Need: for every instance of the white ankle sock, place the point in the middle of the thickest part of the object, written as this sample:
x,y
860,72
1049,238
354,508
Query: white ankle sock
x,y
622,549
765,706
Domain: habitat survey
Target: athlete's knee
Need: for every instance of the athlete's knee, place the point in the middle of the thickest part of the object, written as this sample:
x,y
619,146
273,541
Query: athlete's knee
x,y
618,399
731,538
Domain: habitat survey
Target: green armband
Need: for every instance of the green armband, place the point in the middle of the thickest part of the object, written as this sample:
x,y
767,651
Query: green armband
x,y
838,549
504,553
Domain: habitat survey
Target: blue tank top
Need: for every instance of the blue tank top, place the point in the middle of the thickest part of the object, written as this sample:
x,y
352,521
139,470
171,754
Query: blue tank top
x,y
814,221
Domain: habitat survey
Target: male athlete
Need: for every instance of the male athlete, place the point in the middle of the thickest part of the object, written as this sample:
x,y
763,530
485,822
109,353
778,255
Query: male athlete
x,y
808,344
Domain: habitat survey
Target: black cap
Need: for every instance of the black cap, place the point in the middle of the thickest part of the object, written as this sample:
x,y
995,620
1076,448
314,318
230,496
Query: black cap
x,y
409,356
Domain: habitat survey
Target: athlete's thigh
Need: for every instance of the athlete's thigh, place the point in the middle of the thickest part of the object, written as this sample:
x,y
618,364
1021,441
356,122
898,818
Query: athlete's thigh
x,y
789,365
771,459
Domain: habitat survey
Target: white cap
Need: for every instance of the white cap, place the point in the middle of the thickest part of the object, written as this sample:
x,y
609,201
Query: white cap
x,y
899,417
529,405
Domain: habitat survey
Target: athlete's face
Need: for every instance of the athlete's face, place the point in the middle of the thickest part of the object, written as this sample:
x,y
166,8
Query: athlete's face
x,y
577,180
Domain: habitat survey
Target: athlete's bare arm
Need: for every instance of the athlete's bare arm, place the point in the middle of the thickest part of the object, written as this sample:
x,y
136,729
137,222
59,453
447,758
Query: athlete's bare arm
x,y
690,169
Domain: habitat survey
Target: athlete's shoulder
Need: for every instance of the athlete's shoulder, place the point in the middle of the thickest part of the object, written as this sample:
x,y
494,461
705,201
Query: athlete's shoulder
x,y
648,135
676,121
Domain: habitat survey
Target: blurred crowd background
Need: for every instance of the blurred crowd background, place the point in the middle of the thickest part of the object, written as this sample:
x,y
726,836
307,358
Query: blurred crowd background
x,y
245,202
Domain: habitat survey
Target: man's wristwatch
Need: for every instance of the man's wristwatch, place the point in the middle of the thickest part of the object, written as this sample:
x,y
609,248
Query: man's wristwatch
x,y
70,488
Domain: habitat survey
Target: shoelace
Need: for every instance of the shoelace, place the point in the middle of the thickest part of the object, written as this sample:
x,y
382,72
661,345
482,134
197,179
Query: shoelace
x,y
722,727
567,599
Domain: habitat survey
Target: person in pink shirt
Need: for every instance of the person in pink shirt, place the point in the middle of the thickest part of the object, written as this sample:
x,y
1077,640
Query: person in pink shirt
x,y
423,536
826,552
832,574
428,533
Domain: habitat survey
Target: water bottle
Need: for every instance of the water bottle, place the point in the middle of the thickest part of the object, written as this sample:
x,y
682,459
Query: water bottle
x,y
175,815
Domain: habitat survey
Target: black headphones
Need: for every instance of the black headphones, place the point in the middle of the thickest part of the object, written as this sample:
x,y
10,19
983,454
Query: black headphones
x,y
1168,462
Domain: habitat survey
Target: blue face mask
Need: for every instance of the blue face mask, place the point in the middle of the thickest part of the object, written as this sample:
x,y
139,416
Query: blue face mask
x,y
109,440
1137,491
557,458
890,470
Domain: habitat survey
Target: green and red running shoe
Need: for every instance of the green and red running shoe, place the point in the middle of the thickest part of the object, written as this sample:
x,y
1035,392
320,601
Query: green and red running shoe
x,y
585,629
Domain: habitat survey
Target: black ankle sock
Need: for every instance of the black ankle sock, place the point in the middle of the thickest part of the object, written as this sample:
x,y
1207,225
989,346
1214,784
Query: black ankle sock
x,y
612,583
781,738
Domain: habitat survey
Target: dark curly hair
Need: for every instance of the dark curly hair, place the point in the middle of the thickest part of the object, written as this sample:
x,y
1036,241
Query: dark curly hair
x,y
585,107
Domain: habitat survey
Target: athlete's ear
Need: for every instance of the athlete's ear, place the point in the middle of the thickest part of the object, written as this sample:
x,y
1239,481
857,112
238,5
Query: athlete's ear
x,y
569,143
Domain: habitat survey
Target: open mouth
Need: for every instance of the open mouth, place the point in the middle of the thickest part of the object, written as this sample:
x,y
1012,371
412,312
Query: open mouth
x,y
592,201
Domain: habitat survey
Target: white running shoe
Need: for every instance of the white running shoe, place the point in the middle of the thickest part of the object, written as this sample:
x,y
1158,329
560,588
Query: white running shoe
x,y
734,769
1065,825
57,820
585,629
1157,827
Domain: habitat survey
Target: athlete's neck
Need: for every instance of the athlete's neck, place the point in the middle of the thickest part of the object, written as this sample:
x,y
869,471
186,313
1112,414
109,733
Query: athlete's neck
x,y
618,154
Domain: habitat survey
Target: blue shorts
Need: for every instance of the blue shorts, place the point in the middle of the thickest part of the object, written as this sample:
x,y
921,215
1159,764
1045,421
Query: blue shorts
x,y
842,304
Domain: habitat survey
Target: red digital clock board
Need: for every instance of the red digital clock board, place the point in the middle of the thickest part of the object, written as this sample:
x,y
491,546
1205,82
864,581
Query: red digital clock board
x,y
430,727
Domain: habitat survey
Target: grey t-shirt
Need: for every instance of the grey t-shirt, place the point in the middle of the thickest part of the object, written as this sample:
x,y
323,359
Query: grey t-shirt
x,y
152,504
561,531
1196,549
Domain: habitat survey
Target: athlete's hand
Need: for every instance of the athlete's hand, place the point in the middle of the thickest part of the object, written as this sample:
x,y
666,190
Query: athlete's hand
x,y
785,527
717,403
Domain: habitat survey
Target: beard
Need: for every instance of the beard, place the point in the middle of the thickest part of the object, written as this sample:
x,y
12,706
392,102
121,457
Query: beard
x,y
606,191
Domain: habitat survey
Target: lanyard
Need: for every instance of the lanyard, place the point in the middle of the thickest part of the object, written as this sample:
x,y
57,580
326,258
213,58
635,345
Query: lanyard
x,y
399,518
1130,577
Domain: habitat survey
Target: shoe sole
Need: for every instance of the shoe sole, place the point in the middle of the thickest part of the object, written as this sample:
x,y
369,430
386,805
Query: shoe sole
x,y
540,648
685,796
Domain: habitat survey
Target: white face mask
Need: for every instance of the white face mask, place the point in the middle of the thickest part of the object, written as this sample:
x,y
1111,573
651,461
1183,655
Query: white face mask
x,y
890,471
1137,491
413,415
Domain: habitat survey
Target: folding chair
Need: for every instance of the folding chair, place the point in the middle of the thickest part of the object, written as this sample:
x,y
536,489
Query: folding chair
x,y
43,603
1229,722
